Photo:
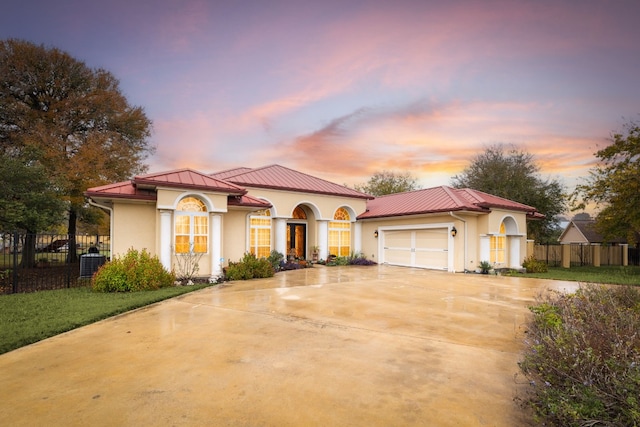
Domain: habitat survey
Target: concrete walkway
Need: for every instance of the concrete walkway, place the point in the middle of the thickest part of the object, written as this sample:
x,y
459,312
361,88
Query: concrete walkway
x,y
340,346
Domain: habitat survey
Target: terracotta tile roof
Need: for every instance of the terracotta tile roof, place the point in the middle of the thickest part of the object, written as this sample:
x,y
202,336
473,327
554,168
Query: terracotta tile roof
x,y
437,199
187,178
121,190
281,178
483,199
143,187
248,201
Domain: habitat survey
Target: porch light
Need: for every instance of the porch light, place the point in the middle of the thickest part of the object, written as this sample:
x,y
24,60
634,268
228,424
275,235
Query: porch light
x,y
375,234
453,232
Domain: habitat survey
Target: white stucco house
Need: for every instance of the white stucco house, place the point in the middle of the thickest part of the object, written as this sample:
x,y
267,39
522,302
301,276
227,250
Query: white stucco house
x,y
225,214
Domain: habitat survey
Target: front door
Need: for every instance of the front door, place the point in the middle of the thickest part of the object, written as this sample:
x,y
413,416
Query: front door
x,y
296,240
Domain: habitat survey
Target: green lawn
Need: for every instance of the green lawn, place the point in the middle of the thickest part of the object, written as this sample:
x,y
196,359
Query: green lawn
x,y
27,318
615,275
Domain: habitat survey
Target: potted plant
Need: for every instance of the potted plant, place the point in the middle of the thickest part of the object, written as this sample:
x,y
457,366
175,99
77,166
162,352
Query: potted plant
x,y
315,251
485,267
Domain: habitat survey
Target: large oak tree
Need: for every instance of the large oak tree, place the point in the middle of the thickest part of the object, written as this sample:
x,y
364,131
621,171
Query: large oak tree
x,y
614,186
388,182
514,175
71,119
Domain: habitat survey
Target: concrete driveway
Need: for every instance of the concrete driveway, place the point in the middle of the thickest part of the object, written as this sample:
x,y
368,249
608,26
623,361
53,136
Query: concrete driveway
x,y
340,346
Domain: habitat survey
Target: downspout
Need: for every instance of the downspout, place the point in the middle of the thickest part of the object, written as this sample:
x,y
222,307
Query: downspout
x,y
98,205
464,221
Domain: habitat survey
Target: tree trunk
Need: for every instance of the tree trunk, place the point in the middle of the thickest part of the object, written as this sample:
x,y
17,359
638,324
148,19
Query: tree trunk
x,y
29,251
73,219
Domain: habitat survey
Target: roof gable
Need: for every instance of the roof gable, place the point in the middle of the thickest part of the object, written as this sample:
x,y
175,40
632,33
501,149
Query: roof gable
x,y
278,177
188,179
438,199
586,229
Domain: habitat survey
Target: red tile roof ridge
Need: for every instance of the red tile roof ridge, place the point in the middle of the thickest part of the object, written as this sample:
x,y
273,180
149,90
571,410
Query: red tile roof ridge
x,y
174,178
229,173
263,177
452,192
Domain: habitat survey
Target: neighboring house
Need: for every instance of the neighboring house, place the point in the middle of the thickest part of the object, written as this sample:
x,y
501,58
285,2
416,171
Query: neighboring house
x,y
226,214
584,232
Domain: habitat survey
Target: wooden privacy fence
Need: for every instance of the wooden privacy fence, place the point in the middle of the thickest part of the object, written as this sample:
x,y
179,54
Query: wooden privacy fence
x,y
555,255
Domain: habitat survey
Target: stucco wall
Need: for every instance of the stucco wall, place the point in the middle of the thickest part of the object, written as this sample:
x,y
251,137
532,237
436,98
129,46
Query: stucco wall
x,y
135,226
234,235
324,207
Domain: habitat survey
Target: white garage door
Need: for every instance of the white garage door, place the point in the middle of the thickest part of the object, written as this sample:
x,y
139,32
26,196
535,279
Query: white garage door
x,y
425,248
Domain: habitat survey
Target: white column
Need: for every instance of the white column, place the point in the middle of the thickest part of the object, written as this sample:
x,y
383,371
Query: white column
x,y
216,245
357,237
280,243
323,238
485,250
165,238
514,251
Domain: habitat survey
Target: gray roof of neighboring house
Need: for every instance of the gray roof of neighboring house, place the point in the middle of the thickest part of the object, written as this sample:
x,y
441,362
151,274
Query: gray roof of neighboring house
x,y
587,228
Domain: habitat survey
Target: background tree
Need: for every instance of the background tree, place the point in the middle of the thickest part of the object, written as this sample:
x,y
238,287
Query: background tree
x,y
28,202
71,119
514,175
388,182
614,186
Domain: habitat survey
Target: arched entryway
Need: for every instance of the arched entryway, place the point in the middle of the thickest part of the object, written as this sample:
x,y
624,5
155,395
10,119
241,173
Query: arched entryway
x,y
504,246
297,233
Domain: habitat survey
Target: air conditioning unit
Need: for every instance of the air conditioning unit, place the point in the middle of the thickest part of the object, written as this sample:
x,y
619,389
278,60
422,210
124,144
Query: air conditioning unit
x,y
90,263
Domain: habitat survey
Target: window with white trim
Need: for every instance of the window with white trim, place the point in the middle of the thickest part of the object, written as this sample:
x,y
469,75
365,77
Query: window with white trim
x,y
260,233
498,246
340,233
191,226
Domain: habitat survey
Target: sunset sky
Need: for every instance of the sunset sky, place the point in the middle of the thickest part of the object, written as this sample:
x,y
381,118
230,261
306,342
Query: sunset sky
x,y
342,89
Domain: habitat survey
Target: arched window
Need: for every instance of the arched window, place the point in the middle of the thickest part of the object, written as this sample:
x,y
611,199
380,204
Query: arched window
x,y
498,246
191,226
299,213
340,233
260,233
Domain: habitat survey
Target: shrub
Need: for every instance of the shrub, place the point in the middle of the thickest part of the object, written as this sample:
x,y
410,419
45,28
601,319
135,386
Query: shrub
x,y
353,259
275,259
135,271
534,266
284,266
249,267
583,358
485,267
360,259
188,264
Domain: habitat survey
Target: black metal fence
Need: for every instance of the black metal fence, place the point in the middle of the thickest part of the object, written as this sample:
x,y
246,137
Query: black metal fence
x,y
35,262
